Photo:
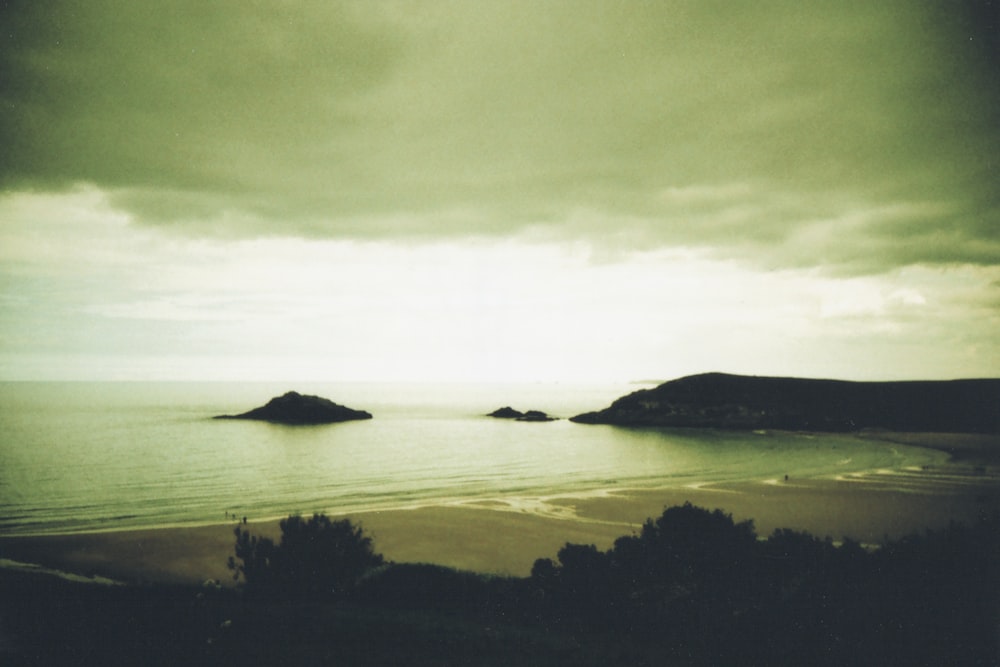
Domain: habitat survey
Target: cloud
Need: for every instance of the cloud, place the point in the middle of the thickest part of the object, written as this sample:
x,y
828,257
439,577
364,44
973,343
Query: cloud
x,y
85,293
777,133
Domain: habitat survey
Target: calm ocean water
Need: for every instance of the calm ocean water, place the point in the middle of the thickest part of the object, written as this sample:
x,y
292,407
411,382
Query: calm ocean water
x,y
97,456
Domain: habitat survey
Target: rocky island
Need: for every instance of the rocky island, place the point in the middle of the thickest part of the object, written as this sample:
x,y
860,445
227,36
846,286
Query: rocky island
x,y
719,400
297,409
508,412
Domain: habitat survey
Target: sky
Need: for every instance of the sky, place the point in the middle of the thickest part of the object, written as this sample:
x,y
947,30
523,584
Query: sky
x,y
499,191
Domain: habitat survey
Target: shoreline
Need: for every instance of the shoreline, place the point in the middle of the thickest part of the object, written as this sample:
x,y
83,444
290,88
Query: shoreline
x,y
505,535
490,538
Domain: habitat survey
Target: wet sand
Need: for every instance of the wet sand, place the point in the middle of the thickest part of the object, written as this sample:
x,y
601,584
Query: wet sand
x,y
505,536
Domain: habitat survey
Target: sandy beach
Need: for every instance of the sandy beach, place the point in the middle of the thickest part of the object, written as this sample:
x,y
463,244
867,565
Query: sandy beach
x,y
506,535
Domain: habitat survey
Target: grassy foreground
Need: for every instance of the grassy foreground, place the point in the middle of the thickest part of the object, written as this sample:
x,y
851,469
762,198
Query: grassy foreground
x,y
692,588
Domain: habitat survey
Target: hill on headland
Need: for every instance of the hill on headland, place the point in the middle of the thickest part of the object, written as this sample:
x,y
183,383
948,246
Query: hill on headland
x,y
720,400
297,409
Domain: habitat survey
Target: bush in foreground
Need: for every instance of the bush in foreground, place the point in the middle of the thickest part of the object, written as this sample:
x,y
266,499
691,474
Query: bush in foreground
x,y
692,587
315,558
698,584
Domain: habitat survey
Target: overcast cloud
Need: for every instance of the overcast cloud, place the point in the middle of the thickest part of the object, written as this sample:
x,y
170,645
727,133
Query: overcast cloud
x,y
769,143
751,126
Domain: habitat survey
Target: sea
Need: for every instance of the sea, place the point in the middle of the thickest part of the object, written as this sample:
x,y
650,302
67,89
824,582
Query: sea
x,y
83,457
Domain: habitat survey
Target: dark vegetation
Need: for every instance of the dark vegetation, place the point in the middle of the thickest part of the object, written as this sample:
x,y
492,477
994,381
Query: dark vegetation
x,y
296,409
317,557
691,588
719,400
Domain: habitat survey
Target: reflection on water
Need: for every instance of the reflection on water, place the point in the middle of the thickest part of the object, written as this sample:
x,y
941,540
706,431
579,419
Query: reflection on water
x,y
79,456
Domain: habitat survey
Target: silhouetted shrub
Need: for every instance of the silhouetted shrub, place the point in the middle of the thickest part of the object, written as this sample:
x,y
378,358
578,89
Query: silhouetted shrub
x,y
788,552
646,581
691,587
255,555
316,557
687,544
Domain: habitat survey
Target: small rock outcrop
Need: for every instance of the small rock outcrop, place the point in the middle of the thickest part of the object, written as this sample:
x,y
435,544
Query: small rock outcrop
x,y
535,416
508,412
297,409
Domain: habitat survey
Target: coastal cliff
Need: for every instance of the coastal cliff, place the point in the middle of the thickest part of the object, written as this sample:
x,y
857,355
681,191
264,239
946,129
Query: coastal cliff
x,y
719,400
299,410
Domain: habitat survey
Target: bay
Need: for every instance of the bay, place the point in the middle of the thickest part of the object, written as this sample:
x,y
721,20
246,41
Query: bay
x,y
108,456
